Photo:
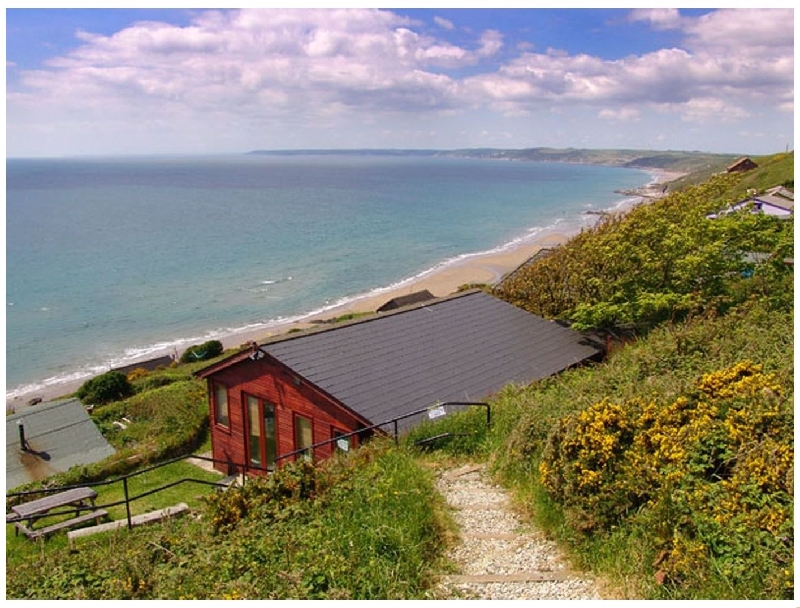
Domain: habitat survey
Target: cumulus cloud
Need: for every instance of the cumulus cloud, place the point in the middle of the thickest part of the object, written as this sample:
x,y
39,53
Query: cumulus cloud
x,y
271,66
731,57
658,18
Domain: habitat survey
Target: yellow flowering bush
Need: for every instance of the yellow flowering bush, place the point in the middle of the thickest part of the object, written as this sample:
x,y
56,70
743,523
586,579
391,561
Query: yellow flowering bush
x,y
709,474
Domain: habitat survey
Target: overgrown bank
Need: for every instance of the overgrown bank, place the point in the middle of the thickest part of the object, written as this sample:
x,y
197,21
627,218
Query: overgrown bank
x,y
669,468
368,526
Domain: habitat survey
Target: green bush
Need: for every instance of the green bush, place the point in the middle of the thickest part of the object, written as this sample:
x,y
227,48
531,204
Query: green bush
x,y
367,525
202,352
111,386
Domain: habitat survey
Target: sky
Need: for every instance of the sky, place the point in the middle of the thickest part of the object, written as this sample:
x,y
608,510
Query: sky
x,y
99,81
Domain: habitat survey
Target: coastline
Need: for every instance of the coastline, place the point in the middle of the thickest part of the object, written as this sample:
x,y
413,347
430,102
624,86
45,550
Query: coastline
x,y
442,280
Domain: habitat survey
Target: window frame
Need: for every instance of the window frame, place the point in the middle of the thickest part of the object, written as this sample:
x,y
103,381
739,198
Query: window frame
x,y
263,451
215,392
307,455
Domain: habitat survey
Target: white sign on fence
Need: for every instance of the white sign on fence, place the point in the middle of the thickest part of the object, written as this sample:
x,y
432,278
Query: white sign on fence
x,y
436,412
343,444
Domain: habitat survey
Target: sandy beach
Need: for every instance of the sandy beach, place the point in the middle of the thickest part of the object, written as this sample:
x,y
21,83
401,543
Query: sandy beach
x,y
487,268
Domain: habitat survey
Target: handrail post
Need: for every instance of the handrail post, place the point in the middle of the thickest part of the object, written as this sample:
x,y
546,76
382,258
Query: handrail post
x,y
488,416
127,501
396,437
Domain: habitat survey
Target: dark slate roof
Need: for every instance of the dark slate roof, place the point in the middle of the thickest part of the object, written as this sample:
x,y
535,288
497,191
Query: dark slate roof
x,y
60,435
460,348
416,297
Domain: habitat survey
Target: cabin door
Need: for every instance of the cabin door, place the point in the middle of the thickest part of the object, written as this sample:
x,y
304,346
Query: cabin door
x,y
261,439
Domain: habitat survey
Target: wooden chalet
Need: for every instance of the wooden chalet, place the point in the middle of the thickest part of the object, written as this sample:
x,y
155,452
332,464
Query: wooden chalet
x,y
742,164
304,389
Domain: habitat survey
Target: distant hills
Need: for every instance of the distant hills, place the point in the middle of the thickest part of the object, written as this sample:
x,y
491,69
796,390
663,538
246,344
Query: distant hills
x,y
683,162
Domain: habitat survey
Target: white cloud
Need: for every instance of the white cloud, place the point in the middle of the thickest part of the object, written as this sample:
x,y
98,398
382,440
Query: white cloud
x,y
491,43
275,70
620,114
444,23
659,18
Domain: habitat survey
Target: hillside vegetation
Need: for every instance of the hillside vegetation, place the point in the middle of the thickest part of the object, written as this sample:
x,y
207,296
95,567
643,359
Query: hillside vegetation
x,y
666,470
669,468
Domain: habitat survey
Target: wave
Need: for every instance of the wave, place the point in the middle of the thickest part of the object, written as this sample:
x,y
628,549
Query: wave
x,y
132,355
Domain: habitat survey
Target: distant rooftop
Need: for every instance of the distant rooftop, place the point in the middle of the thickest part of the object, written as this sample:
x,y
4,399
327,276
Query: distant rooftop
x,y
405,300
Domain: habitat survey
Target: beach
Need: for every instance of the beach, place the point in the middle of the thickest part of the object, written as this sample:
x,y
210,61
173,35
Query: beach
x,y
480,268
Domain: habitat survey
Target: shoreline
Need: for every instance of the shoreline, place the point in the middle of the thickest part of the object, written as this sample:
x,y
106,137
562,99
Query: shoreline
x,y
443,279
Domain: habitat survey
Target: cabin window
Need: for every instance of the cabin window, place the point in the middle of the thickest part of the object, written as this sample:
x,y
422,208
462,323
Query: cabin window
x,y
261,432
341,445
221,404
303,435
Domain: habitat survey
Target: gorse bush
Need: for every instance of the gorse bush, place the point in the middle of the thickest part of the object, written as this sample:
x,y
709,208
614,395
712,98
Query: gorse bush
x,y
711,472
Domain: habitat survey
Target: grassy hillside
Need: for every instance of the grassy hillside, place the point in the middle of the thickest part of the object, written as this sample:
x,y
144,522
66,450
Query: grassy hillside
x,y
772,170
367,526
680,162
667,469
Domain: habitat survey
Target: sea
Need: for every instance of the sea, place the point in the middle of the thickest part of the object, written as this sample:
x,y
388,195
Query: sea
x,y
114,260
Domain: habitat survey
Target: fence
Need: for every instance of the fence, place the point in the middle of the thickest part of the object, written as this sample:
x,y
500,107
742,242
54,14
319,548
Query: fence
x,y
245,468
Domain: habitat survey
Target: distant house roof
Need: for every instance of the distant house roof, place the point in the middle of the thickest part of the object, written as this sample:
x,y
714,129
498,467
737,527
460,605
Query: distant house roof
x,y
60,435
411,298
463,347
762,203
743,164
781,192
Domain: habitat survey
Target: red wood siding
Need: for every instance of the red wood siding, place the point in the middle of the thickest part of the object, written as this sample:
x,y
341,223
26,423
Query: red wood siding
x,y
271,381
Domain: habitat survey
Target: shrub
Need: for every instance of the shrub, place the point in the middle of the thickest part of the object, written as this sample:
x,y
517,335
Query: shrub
x,y
709,475
111,386
202,352
137,374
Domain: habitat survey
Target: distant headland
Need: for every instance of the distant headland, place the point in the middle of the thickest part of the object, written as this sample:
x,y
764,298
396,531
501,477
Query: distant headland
x,y
673,161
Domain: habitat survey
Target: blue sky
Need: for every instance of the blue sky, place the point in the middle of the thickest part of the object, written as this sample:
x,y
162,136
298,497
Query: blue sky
x,y
198,81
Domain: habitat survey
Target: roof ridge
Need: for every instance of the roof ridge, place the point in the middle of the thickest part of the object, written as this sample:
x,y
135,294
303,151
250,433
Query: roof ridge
x,y
373,316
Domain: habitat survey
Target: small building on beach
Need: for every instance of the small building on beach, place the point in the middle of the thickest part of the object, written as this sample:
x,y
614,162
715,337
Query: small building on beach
x,y
405,300
303,389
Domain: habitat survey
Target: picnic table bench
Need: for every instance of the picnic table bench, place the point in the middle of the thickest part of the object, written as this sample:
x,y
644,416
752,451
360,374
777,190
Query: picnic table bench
x,y
82,499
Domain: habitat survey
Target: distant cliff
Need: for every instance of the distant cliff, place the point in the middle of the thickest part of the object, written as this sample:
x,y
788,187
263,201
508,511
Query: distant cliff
x,y
681,162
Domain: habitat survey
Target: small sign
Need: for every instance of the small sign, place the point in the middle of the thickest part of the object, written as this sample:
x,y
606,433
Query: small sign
x,y
343,444
436,412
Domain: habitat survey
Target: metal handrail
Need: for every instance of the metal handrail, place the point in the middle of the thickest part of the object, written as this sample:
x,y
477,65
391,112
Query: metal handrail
x,y
393,421
244,467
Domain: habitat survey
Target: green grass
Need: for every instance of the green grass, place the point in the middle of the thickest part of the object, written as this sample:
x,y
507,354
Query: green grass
x,y
18,547
367,525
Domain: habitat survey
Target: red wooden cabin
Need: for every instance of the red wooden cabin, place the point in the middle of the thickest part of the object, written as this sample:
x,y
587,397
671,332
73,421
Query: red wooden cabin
x,y
304,389
260,410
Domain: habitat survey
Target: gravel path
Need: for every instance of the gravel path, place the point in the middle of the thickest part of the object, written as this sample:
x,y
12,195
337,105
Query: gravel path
x,y
496,557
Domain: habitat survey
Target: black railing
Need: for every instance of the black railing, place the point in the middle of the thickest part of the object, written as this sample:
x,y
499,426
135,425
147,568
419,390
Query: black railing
x,y
244,468
394,422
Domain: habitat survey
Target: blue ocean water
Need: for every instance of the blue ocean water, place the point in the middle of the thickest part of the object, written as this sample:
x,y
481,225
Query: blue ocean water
x,y
113,260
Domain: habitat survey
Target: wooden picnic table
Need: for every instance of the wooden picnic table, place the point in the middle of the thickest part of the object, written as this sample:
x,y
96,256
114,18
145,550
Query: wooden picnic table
x,y
80,498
